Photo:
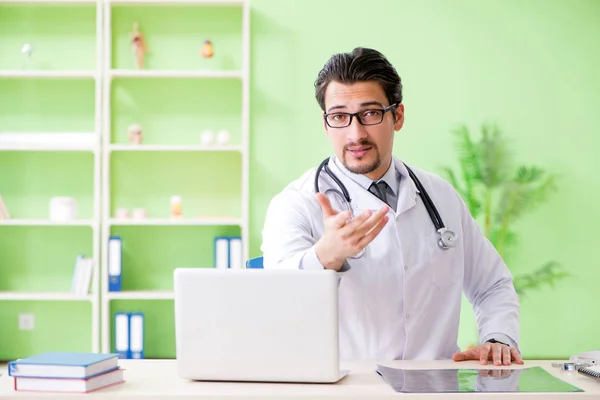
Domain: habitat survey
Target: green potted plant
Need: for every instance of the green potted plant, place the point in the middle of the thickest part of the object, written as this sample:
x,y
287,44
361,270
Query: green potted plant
x,y
498,192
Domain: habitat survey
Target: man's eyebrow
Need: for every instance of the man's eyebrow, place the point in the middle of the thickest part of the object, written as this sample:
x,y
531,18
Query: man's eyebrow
x,y
371,103
340,106
365,104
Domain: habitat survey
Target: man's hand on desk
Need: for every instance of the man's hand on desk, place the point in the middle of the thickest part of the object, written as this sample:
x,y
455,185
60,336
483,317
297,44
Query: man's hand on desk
x,y
499,353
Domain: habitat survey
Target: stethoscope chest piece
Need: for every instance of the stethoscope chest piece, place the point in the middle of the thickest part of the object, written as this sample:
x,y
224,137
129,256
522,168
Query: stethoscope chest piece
x,y
447,239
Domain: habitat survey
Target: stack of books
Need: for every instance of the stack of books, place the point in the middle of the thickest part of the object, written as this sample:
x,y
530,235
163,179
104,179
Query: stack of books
x,y
66,372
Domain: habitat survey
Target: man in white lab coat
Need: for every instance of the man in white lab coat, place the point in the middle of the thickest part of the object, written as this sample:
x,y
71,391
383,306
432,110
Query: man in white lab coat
x,y
399,291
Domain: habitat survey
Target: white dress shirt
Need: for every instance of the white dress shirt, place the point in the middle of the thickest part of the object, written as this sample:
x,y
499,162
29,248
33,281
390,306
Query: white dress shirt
x,y
402,299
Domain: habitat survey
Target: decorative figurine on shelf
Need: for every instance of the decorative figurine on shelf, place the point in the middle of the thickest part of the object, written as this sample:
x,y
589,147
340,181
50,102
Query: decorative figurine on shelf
x,y
223,137
207,137
138,45
121,213
139,213
207,49
27,49
135,134
176,209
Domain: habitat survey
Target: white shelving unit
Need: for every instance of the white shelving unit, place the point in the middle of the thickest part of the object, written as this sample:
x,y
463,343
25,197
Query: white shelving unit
x,y
46,222
40,141
93,146
108,148
176,222
44,296
174,74
142,295
50,74
235,3
168,147
50,2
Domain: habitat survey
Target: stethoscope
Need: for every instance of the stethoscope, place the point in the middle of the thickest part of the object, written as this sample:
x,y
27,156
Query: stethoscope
x,y
447,238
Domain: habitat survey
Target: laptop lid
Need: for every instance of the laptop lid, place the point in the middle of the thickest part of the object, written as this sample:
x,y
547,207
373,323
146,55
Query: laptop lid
x,y
257,325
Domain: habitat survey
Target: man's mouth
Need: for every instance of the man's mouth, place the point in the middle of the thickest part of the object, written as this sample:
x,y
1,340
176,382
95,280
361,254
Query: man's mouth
x,y
359,151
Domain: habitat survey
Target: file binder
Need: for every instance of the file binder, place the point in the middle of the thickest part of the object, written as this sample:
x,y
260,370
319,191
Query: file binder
x,y
115,259
122,337
136,335
235,252
221,252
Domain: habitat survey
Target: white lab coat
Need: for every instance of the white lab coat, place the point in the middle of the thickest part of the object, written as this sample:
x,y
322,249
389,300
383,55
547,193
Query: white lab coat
x,y
402,299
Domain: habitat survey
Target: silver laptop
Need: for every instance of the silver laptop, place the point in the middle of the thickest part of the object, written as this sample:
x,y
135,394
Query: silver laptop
x,y
257,325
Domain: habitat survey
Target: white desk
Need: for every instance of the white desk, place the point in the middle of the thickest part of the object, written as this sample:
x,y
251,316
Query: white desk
x,y
157,379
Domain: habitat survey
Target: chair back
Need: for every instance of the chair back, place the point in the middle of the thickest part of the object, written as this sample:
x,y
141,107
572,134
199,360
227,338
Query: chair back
x,y
256,262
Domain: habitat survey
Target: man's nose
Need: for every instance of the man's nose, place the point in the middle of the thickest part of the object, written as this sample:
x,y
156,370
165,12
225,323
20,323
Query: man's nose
x,y
356,131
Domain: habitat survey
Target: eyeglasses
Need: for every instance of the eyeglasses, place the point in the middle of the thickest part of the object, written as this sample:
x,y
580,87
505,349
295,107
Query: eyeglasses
x,y
373,116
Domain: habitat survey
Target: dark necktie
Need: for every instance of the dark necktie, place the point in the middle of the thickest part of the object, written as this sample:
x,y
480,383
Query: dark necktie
x,y
379,190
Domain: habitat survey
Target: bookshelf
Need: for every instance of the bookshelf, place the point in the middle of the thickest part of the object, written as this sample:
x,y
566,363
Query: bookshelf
x,y
175,97
71,141
50,135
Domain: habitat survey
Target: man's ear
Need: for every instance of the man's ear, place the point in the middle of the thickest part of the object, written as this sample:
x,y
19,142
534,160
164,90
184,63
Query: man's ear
x,y
399,114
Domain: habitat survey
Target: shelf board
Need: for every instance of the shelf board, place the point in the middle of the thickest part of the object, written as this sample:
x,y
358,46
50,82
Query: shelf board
x,y
66,74
175,222
141,295
179,2
44,147
43,222
45,296
48,141
167,147
134,73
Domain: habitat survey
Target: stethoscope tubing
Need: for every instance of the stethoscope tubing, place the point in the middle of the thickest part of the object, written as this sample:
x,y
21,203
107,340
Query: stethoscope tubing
x,y
434,215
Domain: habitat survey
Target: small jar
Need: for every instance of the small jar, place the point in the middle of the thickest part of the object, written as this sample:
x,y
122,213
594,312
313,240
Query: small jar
x,y
176,207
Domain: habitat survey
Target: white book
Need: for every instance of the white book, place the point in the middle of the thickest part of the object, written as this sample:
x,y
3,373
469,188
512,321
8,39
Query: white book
x,y
86,276
77,274
4,214
69,384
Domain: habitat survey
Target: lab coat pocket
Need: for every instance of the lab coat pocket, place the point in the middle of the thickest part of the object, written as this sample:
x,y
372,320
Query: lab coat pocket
x,y
442,264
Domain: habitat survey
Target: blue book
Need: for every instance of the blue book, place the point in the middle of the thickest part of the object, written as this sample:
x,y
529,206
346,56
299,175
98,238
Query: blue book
x,y
64,365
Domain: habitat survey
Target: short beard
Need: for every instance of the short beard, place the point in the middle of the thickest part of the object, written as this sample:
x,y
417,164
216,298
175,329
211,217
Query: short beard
x,y
362,169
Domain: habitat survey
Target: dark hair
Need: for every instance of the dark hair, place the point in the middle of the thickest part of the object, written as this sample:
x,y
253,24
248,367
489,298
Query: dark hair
x,y
362,64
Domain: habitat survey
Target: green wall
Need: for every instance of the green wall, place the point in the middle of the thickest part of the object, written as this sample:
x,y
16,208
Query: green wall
x,y
531,66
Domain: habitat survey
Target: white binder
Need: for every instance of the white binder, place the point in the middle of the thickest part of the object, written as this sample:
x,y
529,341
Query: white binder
x,y
122,334
235,253
221,252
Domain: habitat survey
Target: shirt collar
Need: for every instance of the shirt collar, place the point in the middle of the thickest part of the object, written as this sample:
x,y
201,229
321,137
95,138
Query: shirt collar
x,y
391,177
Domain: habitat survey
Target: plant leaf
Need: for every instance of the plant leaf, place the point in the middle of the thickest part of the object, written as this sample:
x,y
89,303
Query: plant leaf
x,y
471,173
495,158
547,274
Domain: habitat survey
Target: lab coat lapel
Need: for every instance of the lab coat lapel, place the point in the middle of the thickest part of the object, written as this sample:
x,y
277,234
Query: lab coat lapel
x,y
407,192
361,198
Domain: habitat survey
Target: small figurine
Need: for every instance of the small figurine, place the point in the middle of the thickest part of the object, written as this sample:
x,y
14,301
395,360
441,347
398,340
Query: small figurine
x,y
135,134
138,45
27,49
207,137
139,213
121,213
176,210
207,49
223,137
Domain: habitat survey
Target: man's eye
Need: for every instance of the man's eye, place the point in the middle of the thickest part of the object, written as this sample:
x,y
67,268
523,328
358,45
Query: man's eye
x,y
339,117
372,113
